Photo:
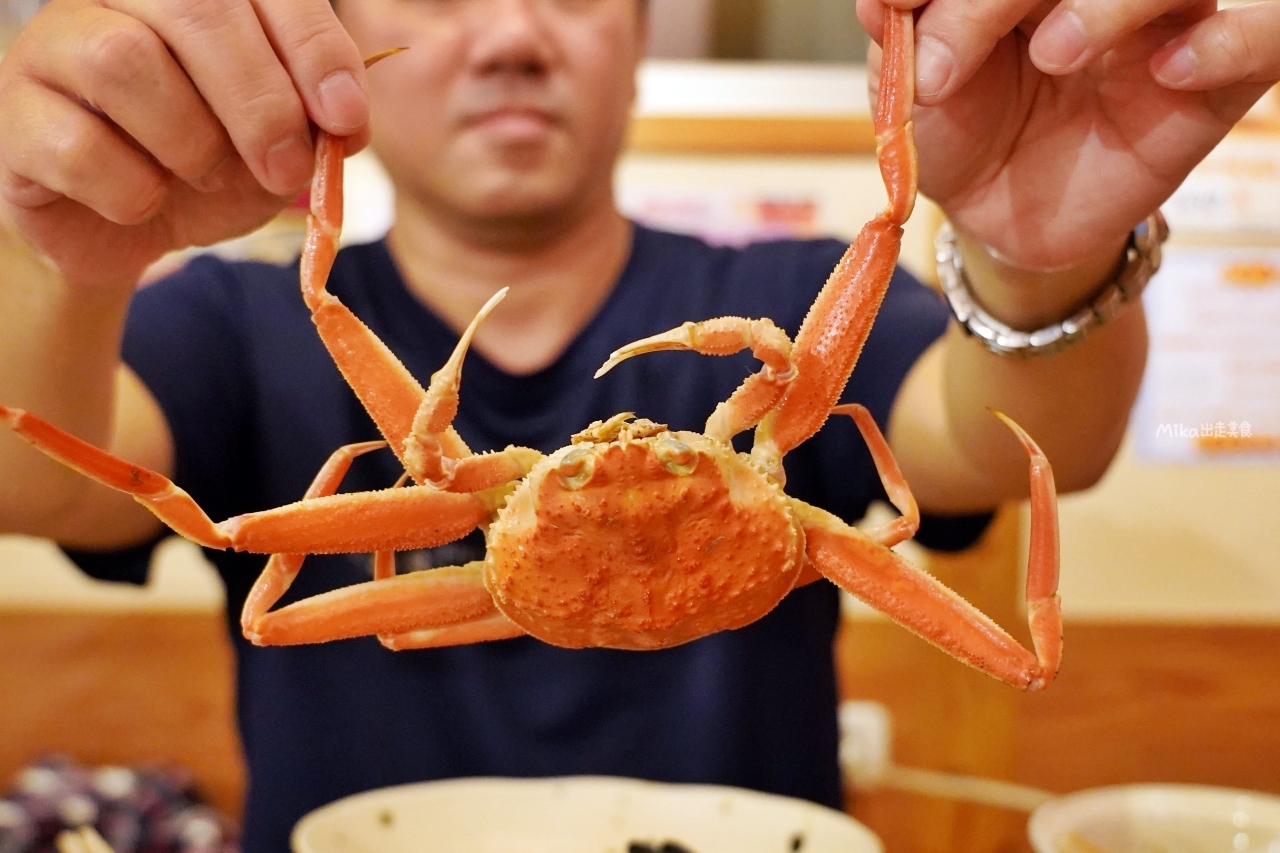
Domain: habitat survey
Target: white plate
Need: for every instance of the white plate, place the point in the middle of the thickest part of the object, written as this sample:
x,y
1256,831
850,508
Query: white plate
x,y
575,815
1158,819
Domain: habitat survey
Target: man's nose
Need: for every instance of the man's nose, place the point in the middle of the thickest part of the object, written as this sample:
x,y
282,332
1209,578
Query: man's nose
x,y
511,36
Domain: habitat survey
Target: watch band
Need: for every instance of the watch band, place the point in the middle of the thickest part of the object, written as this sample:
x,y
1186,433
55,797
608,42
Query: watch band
x,y
1141,260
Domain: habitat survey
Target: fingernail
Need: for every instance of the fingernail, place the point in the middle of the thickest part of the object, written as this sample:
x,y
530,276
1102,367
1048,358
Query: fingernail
x,y
1059,42
289,164
213,180
934,63
344,103
1178,67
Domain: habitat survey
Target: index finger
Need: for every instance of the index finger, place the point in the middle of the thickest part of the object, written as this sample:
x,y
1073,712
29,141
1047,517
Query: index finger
x,y
324,63
953,37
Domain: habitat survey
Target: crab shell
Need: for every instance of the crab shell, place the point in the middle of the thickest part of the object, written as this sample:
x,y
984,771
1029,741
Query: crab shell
x,y
647,540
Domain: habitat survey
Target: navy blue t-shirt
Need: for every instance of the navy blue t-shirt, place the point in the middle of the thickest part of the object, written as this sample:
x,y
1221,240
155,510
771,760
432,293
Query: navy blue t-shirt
x,y
256,406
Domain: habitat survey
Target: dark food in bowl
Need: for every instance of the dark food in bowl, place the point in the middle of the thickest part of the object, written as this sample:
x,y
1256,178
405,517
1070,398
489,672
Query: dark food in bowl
x,y
664,847
797,841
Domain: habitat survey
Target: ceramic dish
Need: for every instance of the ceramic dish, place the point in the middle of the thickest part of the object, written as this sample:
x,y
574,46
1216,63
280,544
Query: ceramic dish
x,y
575,815
1158,819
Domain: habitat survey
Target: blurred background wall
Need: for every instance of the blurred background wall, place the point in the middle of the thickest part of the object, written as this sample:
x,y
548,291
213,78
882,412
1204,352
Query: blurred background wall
x,y
779,30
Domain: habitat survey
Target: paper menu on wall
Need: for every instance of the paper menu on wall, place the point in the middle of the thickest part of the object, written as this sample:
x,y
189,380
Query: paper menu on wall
x,y
1212,388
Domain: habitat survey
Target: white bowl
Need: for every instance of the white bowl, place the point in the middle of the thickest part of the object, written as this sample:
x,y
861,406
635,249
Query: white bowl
x,y
1158,819
581,814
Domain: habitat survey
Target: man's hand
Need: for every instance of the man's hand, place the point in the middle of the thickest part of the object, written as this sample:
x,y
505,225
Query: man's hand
x,y
134,127
1047,130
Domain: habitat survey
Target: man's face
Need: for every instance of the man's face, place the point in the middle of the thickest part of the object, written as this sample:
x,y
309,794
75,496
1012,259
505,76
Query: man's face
x,y
501,109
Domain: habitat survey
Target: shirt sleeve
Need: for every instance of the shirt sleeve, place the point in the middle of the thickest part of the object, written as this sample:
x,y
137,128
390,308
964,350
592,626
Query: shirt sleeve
x,y
184,337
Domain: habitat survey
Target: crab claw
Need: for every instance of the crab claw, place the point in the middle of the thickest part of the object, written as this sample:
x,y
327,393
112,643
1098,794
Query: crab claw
x,y
718,336
1028,443
681,338
453,367
1042,555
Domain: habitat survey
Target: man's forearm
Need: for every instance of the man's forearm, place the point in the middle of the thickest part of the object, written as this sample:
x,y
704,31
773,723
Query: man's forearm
x,y
1075,403
60,351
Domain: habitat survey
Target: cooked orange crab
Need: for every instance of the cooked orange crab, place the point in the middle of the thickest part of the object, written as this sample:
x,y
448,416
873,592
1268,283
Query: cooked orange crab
x,y
634,536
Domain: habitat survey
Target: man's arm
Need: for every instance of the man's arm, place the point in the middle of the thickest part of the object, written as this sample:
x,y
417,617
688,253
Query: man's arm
x,y
132,130
1076,403
61,357
1046,132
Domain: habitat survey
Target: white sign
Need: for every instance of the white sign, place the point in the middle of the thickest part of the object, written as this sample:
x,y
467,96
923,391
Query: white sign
x,y
1212,387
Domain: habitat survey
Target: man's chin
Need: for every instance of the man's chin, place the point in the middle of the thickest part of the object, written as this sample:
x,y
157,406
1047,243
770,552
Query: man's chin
x,y
524,195
529,215
493,195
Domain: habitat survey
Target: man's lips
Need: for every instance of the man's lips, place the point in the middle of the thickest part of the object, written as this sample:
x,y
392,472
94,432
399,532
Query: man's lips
x,y
514,122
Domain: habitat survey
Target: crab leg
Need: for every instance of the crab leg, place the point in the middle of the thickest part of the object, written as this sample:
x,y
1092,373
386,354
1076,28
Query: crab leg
x,y
481,629
157,493
757,395
895,485
394,519
489,470
449,604
837,325
282,569
382,383
389,520
495,627
384,565
924,605
384,562
278,575
427,450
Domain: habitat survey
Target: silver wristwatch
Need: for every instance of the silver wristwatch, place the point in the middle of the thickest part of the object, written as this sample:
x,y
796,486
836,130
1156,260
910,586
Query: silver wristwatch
x,y
1142,259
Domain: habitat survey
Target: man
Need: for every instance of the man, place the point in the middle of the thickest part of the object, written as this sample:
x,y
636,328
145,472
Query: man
x,y
133,128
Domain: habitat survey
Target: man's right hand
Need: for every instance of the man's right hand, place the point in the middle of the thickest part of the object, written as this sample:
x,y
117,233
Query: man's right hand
x,y
136,127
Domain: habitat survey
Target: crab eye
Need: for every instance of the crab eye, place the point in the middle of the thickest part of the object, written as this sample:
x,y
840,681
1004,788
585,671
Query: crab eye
x,y
676,456
575,468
